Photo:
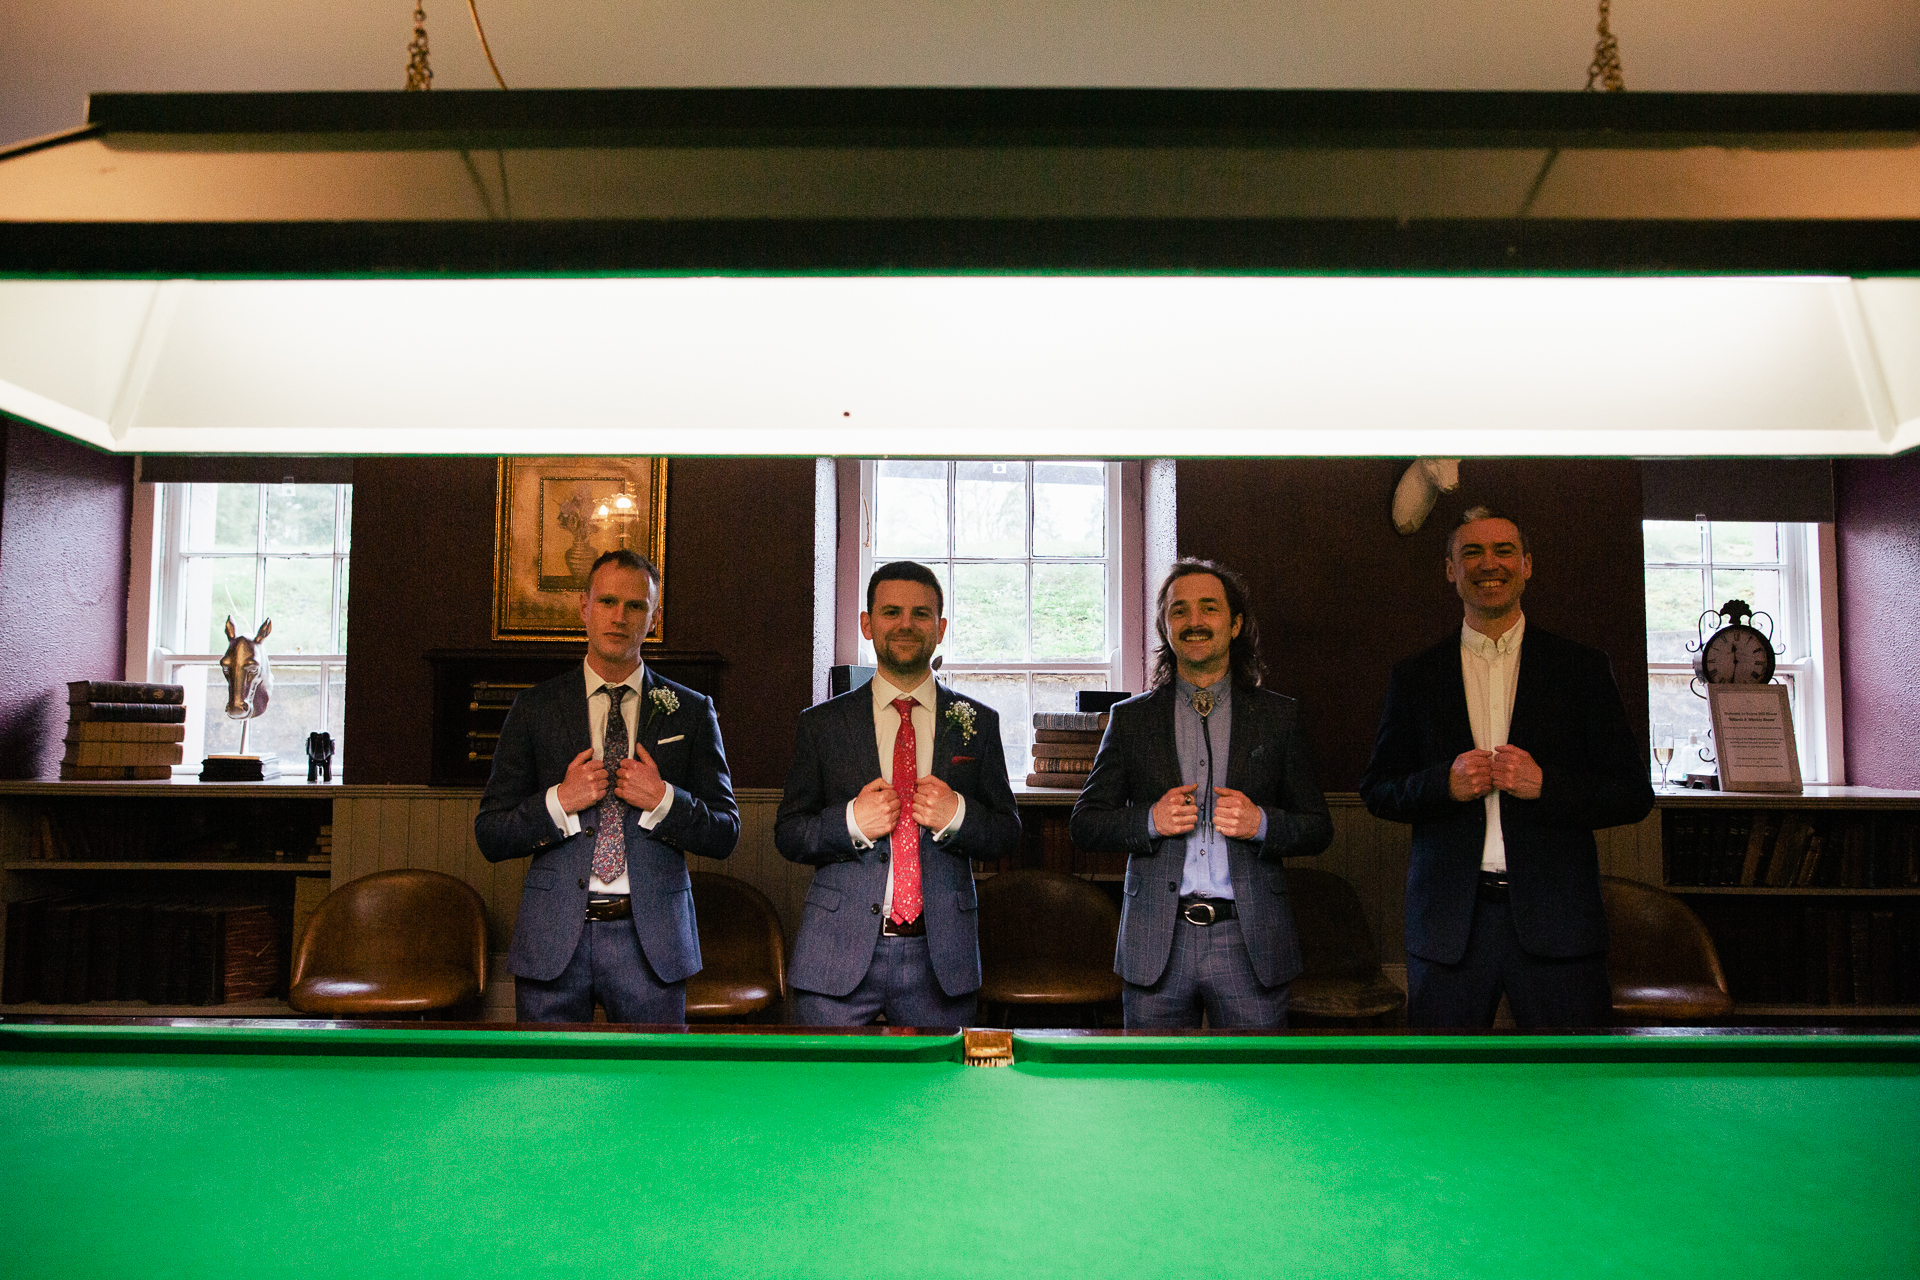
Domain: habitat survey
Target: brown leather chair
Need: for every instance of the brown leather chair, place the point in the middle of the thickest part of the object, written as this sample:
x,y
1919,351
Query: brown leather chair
x,y
1342,979
1661,959
400,943
743,951
1046,938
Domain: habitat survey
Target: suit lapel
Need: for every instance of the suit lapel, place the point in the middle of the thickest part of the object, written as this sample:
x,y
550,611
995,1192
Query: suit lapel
x,y
942,763
1456,727
1527,689
1241,738
857,724
1163,753
579,729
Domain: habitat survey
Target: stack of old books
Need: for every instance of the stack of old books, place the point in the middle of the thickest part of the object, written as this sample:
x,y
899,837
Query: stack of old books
x,y
1064,744
123,729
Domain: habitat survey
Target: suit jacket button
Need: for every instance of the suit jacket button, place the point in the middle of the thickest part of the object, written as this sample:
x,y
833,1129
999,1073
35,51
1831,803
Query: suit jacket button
x,y
586,831
1173,886
876,908
883,857
583,882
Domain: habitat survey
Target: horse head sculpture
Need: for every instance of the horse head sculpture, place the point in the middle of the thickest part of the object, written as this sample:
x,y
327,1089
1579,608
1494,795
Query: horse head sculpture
x,y
249,679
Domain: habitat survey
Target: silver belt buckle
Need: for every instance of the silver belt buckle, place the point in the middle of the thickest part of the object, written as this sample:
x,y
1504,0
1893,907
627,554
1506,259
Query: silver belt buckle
x,y
1188,913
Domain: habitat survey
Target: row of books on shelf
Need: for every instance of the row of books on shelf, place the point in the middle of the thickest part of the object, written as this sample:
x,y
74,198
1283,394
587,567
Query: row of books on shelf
x,y
1784,952
74,951
123,730
1792,848
165,831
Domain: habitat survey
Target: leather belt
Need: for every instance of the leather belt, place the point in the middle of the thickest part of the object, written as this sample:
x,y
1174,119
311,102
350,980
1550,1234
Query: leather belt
x,y
914,928
1493,886
1206,911
610,907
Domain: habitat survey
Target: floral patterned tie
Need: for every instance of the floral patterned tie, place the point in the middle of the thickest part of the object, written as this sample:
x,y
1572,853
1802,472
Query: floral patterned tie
x,y
906,832
610,843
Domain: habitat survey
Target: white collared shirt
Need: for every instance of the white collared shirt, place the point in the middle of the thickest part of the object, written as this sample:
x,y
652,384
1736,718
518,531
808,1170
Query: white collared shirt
x,y
886,732
597,704
1491,669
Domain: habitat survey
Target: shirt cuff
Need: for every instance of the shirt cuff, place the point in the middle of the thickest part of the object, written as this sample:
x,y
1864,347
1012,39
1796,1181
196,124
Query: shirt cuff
x,y
1261,834
853,830
651,818
959,816
569,823
1153,832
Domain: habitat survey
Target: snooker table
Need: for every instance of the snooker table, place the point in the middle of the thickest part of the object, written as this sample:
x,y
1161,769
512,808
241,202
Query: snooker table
x,y
226,1148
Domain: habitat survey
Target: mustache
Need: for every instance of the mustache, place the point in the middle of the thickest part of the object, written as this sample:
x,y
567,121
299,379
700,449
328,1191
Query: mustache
x,y
1197,633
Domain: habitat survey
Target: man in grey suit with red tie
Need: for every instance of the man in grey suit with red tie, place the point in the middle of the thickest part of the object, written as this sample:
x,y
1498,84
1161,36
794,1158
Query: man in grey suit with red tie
x,y
890,922
606,776
1207,784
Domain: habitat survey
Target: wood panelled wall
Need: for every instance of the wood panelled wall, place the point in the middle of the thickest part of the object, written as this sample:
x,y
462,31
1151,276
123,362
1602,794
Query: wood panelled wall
x,y
433,828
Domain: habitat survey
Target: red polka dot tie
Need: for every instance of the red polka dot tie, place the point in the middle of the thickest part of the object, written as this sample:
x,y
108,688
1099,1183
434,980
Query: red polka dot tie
x,y
906,832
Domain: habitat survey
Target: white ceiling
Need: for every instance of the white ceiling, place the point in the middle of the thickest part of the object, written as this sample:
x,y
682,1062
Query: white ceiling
x,y
971,366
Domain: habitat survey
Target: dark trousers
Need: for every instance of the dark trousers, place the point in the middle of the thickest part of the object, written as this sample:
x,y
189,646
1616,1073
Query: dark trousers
x,y
1207,971
899,983
607,963
1541,991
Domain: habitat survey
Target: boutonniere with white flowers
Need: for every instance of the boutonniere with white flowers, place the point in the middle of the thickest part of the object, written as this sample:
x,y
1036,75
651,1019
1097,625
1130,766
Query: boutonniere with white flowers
x,y
960,716
660,702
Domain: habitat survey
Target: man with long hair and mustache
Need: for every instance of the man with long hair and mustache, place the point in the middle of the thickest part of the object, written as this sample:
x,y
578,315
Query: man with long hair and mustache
x,y
1205,781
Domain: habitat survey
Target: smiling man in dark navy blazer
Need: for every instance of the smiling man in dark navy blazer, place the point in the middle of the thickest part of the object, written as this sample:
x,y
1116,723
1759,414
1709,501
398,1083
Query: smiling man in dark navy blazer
x,y
605,776
1505,746
896,788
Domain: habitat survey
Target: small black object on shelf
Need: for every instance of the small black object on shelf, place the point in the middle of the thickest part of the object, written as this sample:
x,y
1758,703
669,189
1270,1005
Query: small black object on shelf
x,y
1098,701
319,757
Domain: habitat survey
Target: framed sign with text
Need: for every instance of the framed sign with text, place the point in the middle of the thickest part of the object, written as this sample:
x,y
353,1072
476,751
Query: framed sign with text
x,y
1753,737
554,517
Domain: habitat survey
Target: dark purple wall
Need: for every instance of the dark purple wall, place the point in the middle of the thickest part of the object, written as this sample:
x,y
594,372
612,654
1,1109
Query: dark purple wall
x,y
1341,597
1877,537
65,510
739,578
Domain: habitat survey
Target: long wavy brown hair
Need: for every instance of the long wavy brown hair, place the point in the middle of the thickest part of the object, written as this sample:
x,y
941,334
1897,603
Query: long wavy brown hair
x,y
1243,654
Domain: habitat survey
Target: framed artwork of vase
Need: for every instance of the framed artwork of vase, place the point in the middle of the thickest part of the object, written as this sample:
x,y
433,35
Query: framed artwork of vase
x,y
555,516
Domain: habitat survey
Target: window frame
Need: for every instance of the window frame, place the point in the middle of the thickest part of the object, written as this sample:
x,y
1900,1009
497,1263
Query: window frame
x,y
1806,632
162,516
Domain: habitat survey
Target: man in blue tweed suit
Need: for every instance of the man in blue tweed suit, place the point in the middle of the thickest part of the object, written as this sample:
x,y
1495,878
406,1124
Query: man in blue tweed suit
x,y
606,776
1206,783
895,789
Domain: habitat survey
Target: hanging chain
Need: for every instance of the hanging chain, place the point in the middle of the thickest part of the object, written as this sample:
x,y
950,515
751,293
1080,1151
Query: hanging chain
x,y
419,71
1606,57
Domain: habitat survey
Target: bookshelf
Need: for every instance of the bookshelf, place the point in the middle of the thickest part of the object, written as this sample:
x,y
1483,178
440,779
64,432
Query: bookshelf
x,y
1813,900
157,898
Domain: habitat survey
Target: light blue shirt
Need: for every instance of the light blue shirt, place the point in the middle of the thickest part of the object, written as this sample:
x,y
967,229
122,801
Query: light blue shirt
x,y
1206,873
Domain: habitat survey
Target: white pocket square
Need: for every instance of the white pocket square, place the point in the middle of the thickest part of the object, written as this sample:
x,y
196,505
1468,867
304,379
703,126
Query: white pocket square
x,y
675,738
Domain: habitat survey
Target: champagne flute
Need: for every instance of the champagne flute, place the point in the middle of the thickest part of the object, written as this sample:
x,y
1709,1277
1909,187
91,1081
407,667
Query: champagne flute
x,y
1663,750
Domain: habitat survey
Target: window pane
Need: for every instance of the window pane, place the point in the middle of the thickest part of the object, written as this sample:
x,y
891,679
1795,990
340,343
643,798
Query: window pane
x,y
1673,707
1069,509
300,520
300,602
1055,690
336,716
1676,540
346,517
1673,613
293,711
1739,541
909,510
218,590
990,509
1006,693
1760,588
1069,612
223,517
989,609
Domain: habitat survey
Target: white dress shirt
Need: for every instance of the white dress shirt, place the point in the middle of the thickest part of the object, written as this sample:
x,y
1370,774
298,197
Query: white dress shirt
x,y
886,731
1491,669
598,703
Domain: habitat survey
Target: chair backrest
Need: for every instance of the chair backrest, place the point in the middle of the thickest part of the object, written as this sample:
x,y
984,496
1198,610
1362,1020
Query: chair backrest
x,y
394,919
740,933
1032,914
1335,939
1655,938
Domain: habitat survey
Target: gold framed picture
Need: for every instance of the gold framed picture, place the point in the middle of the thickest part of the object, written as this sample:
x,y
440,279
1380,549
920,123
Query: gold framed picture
x,y
554,517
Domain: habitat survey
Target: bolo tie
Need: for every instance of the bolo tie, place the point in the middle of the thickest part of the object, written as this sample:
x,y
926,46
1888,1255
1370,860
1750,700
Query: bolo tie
x,y
1202,702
